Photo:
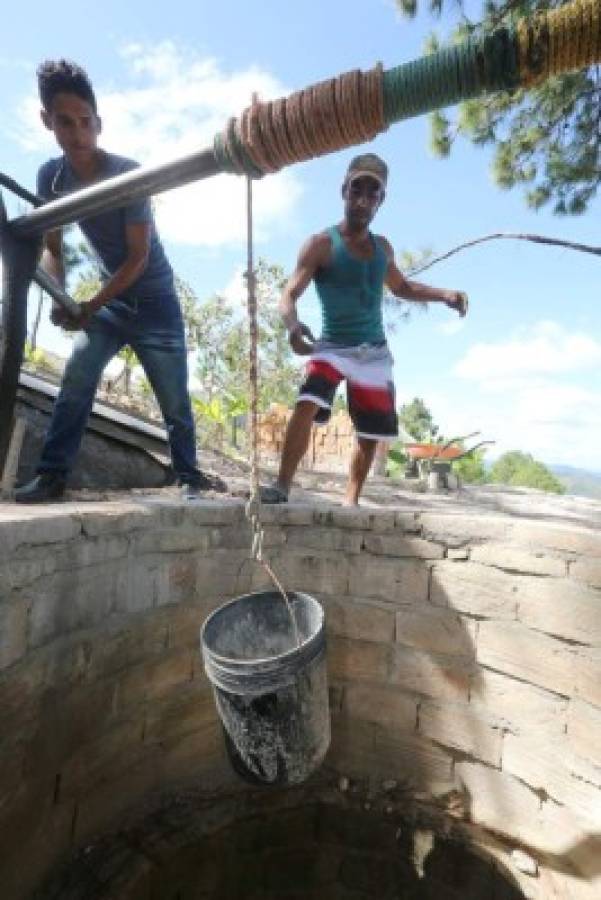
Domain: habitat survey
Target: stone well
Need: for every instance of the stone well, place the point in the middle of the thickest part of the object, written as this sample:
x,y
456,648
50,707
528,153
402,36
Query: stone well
x,y
465,672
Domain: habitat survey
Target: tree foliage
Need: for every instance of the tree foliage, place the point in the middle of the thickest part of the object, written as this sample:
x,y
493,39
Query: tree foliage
x,y
220,334
522,470
39,360
189,303
546,140
472,469
516,469
416,419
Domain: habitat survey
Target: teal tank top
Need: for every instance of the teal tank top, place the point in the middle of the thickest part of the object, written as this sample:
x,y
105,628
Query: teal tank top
x,y
350,291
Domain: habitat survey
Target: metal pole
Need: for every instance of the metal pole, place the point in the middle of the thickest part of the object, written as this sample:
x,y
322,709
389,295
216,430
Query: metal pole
x,y
19,190
115,192
19,260
45,281
54,290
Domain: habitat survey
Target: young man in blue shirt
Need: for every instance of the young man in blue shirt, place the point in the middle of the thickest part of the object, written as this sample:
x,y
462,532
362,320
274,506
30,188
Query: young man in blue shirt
x,y
350,267
136,304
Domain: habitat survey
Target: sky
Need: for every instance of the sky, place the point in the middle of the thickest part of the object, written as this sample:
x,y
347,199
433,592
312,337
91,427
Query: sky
x,y
523,368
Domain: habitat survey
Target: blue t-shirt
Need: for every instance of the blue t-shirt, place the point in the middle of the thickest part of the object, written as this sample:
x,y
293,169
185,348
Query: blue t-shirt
x,y
106,231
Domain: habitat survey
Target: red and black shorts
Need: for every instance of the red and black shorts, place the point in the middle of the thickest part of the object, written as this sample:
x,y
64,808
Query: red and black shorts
x,y
369,387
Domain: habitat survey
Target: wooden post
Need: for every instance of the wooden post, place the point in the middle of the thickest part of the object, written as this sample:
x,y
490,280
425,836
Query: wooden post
x,y
9,475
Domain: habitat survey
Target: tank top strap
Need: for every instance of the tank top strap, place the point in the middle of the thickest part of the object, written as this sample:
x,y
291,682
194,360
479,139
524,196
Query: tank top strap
x,y
378,248
335,237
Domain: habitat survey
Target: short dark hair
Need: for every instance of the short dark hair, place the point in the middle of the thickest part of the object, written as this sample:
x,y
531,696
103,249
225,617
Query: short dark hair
x,y
63,77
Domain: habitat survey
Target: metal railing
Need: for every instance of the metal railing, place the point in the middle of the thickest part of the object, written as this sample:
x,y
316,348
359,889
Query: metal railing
x,y
115,192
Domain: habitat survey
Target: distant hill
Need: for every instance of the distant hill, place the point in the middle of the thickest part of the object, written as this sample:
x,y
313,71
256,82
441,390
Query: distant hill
x,y
580,482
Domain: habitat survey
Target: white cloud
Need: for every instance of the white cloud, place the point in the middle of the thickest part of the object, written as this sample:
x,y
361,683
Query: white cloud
x,y
548,349
213,212
235,290
173,104
538,390
555,423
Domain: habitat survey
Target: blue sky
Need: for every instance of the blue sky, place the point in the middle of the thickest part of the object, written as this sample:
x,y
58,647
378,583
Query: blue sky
x,y
523,368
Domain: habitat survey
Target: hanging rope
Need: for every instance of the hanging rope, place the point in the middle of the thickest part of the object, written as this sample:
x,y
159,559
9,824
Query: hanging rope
x,y
253,507
356,106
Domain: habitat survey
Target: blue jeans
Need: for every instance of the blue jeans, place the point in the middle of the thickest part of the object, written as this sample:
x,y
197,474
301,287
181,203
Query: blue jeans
x,y
154,330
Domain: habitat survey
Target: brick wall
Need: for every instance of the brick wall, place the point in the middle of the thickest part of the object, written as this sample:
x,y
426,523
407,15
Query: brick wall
x,y
330,445
464,655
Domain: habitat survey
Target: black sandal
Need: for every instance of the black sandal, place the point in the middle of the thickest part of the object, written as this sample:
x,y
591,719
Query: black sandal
x,y
272,494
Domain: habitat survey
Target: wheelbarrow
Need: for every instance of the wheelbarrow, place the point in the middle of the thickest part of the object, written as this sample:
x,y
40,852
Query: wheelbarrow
x,y
433,462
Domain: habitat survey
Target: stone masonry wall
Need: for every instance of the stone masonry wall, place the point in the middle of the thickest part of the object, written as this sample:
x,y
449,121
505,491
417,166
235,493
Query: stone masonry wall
x,y
464,655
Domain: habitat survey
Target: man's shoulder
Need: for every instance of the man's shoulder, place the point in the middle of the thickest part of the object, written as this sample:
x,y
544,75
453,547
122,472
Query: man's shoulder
x,y
322,238
383,242
51,164
318,247
46,173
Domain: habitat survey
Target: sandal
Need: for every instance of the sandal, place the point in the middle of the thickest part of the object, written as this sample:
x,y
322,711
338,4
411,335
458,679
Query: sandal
x,y
272,494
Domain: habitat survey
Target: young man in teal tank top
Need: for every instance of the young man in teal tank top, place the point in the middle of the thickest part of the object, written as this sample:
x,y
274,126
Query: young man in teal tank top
x,y
350,267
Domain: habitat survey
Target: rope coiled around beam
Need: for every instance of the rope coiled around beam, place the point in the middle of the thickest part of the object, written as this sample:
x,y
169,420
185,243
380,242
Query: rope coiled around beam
x,y
356,106
322,118
560,40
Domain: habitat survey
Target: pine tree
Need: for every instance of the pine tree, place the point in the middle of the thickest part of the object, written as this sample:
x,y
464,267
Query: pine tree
x,y
546,140
416,419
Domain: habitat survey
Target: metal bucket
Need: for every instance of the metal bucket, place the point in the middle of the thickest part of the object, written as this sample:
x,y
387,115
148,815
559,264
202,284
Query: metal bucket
x,y
271,692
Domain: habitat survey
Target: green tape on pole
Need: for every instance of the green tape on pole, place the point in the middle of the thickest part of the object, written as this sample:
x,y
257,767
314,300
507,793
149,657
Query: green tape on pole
x,y
452,74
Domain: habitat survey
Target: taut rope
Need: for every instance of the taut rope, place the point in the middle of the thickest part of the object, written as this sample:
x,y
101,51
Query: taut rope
x,y
253,507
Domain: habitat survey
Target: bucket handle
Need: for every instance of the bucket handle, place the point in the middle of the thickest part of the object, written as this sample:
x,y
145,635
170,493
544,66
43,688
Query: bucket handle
x,y
257,557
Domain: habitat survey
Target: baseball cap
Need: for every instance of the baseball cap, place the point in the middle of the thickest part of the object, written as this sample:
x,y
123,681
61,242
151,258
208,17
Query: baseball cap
x,y
367,165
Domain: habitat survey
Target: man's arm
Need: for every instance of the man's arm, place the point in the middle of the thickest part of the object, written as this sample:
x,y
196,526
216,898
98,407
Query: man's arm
x,y
52,256
313,255
406,289
137,237
52,262
52,259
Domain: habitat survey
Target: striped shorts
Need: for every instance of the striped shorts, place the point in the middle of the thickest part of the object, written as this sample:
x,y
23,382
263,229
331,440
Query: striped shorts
x,y
367,369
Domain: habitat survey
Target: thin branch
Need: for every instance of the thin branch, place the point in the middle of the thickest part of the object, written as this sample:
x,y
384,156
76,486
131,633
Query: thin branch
x,y
534,238
499,15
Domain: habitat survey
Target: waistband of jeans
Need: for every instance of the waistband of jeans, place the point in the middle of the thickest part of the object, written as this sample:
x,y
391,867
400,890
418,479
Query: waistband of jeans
x,y
331,345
